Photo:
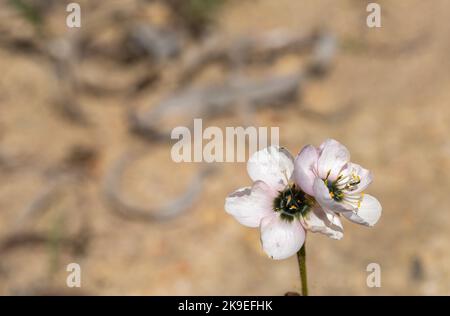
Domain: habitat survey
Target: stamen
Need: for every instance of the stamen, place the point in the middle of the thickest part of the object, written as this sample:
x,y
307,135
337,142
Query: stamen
x,y
360,201
339,189
342,180
353,200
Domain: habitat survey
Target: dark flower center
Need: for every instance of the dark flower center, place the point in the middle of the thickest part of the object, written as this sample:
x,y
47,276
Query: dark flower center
x,y
292,203
335,193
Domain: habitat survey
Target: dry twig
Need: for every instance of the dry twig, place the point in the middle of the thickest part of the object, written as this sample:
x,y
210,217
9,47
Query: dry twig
x,y
119,203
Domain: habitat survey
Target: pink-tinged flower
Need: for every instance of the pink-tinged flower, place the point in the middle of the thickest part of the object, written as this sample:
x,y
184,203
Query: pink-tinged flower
x,y
278,206
338,185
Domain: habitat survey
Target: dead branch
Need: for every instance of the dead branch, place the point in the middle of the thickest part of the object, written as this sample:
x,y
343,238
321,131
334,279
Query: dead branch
x,y
250,49
214,100
122,206
76,244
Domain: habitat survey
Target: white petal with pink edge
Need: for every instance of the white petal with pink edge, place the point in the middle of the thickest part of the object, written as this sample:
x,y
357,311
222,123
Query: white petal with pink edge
x,y
368,213
305,168
318,220
281,239
332,158
250,205
273,165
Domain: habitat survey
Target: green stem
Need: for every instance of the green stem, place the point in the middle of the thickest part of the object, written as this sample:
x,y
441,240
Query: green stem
x,y
301,256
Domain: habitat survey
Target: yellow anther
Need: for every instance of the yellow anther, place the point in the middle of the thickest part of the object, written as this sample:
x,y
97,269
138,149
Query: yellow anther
x,y
360,200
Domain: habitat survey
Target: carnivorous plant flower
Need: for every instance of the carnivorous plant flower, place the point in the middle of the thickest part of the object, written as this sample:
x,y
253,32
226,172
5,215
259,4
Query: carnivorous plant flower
x,y
311,193
279,206
337,184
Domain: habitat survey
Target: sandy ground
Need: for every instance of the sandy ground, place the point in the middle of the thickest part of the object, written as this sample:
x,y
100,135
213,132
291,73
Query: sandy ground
x,y
398,77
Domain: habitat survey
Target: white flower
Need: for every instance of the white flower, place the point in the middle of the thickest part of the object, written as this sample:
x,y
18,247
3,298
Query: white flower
x,y
338,185
278,207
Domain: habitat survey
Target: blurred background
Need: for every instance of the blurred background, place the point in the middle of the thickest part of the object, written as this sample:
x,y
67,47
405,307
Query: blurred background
x,y
85,169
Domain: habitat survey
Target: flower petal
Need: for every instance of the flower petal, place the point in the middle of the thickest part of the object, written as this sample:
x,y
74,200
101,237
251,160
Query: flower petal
x,y
323,197
368,213
271,165
305,167
333,157
250,205
280,238
322,221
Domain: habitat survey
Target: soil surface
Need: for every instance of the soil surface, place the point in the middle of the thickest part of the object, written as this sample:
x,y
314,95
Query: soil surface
x,y
53,163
